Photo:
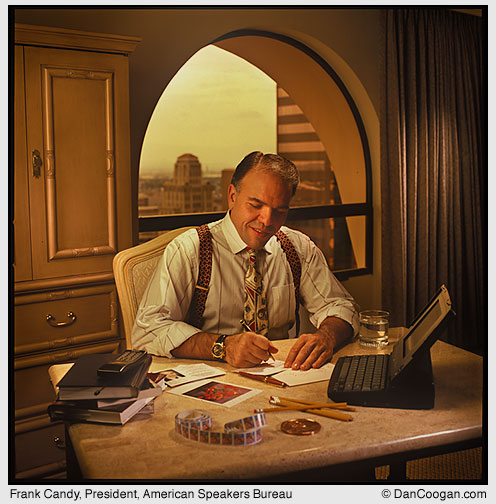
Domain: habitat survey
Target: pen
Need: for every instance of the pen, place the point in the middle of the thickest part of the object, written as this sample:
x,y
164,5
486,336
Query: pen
x,y
265,379
247,327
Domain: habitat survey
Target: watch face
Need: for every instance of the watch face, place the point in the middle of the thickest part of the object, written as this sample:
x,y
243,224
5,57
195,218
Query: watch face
x,y
218,350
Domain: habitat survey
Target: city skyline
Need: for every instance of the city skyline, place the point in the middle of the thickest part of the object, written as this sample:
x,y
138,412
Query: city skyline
x,y
218,107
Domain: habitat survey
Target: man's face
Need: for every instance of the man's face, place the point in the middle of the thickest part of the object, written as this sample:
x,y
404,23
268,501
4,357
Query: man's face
x,y
260,207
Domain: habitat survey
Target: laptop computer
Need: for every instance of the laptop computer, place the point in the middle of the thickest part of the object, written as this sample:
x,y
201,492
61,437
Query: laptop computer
x,y
402,379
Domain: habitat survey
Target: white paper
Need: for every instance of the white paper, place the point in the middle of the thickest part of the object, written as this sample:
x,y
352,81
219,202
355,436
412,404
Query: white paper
x,y
293,377
185,373
220,393
265,368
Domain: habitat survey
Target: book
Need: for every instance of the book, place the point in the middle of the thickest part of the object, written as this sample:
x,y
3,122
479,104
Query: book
x,y
81,380
148,389
89,411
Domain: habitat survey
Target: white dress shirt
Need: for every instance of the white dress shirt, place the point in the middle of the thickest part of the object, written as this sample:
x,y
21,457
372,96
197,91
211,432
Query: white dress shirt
x,y
159,326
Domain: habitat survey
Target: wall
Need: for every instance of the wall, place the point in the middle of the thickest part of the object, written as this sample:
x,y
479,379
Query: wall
x,y
349,39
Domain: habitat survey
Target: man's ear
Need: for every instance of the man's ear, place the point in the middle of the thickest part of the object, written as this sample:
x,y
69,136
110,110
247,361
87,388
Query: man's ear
x,y
232,194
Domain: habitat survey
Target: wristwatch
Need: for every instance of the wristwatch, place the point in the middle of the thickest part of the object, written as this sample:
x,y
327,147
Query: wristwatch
x,y
219,347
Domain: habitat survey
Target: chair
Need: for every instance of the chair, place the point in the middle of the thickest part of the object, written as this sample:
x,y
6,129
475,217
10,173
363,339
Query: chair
x,y
133,268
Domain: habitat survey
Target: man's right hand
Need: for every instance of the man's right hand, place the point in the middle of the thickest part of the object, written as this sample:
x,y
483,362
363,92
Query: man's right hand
x,y
247,349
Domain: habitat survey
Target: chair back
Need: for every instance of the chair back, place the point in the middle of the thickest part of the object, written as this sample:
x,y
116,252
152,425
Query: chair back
x,y
133,269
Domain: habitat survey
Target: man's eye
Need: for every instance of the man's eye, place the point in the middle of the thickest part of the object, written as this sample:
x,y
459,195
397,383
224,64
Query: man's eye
x,y
255,205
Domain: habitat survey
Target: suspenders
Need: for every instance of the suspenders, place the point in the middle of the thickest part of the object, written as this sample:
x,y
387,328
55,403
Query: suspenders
x,y
200,294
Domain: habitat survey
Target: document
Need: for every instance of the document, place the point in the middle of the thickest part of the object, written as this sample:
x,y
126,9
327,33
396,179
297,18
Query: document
x,y
264,369
290,377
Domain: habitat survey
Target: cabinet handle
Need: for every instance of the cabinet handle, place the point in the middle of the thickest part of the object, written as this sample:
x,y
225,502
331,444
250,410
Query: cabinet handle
x,y
37,162
70,315
59,443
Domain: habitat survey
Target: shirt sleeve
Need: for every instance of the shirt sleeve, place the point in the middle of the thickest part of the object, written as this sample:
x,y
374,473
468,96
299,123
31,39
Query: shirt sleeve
x,y
159,326
320,291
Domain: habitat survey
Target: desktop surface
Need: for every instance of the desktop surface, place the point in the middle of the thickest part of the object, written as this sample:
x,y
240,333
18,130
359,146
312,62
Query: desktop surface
x,y
148,446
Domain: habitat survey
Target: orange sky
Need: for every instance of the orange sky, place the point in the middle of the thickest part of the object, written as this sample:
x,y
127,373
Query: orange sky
x,y
218,107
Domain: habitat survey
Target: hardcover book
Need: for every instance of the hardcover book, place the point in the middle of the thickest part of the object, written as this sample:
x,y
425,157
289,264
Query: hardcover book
x,y
81,381
90,411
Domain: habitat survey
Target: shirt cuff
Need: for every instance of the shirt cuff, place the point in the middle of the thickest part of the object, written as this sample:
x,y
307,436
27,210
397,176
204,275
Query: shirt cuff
x,y
163,341
343,312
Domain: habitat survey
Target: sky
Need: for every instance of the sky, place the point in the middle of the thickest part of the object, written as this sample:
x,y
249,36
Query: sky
x,y
218,107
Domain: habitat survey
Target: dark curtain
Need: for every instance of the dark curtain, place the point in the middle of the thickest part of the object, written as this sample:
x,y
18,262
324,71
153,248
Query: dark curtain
x,y
433,176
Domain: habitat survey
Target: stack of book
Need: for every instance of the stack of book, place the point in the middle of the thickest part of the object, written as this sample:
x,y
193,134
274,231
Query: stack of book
x,y
85,396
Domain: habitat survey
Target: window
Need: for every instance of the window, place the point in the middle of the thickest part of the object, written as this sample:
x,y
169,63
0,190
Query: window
x,y
207,131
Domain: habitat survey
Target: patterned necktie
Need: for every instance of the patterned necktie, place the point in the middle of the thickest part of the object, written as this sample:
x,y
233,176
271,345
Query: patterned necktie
x,y
255,304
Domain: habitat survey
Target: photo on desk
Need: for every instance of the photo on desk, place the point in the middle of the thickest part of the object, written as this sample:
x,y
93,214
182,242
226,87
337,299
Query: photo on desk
x,y
166,377
214,392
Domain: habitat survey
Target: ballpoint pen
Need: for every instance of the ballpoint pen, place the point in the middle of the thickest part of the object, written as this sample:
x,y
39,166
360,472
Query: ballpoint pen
x,y
247,327
265,379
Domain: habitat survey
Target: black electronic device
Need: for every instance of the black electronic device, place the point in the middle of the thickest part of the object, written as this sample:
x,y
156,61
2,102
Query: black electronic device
x,y
402,379
122,362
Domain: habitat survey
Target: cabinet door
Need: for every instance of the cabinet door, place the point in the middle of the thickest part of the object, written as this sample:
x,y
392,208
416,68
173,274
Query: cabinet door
x,y
22,246
77,109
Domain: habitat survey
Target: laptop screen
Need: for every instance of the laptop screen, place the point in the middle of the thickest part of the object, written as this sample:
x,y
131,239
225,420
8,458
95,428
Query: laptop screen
x,y
418,336
415,337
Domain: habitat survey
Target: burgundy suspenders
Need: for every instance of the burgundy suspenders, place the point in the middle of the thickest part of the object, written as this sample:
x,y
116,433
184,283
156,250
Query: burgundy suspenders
x,y
200,294
195,313
295,265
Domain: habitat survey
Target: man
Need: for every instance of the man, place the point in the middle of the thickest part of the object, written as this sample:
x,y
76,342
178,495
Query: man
x,y
258,198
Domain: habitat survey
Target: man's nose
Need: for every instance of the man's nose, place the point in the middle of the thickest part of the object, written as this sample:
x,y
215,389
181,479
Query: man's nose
x,y
266,217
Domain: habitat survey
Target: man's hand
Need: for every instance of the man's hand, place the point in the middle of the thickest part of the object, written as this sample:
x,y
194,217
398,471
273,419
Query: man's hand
x,y
247,349
314,350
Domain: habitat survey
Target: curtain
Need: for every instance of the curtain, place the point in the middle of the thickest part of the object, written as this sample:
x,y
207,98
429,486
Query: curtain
x,y
433,174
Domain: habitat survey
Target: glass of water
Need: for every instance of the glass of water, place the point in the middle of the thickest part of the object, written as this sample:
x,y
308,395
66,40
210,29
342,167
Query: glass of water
x,y
374,327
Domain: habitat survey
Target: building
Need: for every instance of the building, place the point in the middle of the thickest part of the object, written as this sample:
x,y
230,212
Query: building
x,y
187,192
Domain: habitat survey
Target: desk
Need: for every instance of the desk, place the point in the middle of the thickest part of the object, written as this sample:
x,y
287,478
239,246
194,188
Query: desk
x,y
148,447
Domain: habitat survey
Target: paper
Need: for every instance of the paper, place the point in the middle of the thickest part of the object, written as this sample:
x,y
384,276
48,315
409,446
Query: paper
x,y
290,377
264,369
215,392
293,377
183,373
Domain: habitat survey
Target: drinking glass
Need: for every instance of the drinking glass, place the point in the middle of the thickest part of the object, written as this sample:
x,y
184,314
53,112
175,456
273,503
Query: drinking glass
x,y
374,328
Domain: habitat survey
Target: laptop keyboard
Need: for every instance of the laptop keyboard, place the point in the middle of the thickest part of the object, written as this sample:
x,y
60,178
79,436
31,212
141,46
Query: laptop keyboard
x,y
362,373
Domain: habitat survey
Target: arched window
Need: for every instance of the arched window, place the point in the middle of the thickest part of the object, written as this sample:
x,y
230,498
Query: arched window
x,y
315,124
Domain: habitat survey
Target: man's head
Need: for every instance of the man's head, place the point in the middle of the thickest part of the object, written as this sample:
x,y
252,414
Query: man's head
x,y
259,195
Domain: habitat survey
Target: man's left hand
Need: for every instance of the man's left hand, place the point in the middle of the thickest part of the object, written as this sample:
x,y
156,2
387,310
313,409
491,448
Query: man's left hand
x,y
314,350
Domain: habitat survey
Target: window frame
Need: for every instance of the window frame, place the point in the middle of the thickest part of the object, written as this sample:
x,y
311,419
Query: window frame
x,y
168,222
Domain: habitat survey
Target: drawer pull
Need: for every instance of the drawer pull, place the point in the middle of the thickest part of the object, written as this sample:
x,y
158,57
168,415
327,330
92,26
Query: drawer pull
x,y
59,443
70,315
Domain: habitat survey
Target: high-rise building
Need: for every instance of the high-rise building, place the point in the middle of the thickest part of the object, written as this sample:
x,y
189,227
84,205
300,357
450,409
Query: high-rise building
x,y
187,192
298,141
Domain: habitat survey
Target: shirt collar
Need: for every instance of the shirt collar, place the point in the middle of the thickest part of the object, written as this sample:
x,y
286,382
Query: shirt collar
x,y
235,241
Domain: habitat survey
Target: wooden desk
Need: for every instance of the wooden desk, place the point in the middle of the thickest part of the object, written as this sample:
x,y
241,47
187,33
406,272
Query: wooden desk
x,y
149,448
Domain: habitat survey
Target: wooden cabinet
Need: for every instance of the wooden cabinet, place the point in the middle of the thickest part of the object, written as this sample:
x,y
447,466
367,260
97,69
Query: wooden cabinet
x,y
72,213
